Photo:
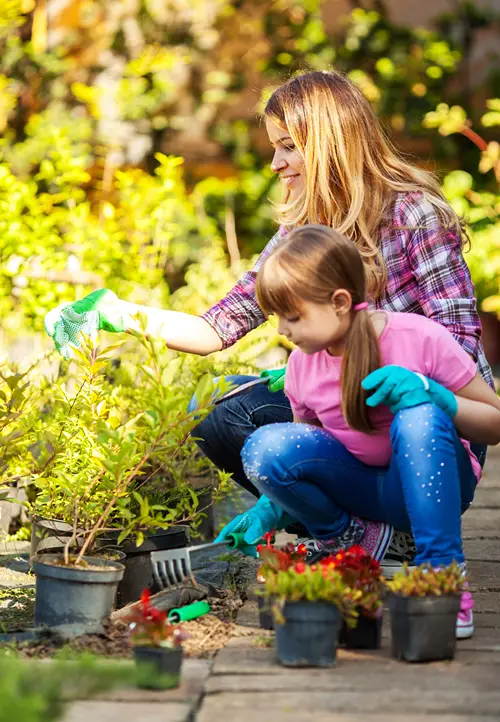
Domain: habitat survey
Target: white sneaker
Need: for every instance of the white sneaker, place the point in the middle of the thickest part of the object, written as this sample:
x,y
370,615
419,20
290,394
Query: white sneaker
x,y
465,619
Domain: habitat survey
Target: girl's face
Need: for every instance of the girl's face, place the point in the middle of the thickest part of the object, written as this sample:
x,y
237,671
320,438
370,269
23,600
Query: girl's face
x,y
287,161
319,326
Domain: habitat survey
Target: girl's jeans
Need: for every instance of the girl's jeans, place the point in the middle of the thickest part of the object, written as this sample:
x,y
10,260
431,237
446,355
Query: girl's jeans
x,y
222,434
425,489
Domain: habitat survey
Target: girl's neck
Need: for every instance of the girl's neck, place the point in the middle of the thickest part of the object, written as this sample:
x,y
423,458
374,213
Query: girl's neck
x,y
379,321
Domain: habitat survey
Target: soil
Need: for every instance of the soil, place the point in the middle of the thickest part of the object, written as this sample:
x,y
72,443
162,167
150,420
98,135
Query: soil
x,y
206,634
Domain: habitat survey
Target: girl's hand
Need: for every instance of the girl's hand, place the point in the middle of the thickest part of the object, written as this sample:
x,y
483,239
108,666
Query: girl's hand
x,y
276,379
399,388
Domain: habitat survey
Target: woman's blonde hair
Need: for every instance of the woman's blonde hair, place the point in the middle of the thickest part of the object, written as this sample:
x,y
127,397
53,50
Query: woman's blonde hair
x,y
352,170
310,265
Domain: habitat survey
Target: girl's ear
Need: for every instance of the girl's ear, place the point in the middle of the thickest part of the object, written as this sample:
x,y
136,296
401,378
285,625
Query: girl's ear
x,y
341,301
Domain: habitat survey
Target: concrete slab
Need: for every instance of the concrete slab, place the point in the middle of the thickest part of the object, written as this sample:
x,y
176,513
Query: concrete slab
x,y
227,707
128,712
482,550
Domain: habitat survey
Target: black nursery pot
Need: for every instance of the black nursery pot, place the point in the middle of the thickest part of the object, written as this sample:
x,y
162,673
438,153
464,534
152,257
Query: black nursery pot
x,y
367,634
48,535
266,619
160,667
138,568
423,628
309,636
77,597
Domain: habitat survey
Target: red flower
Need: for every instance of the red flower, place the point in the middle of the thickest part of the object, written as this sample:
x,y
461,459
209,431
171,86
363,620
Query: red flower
x,y
300,567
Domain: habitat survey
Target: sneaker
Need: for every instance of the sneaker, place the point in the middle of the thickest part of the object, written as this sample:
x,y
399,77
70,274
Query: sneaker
x,y
401,549
374,536
465,620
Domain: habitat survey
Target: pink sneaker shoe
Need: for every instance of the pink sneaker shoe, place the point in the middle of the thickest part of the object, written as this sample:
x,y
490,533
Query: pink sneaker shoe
x,y
373,536
465,620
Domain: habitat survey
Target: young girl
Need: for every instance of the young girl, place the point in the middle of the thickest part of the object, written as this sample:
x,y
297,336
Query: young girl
x,y
384,407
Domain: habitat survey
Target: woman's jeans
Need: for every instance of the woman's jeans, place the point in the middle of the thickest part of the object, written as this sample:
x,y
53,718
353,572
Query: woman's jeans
x,y
428,484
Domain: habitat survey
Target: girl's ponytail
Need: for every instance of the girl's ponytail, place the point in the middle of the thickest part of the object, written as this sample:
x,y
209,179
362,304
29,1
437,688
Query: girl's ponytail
x,y
361,357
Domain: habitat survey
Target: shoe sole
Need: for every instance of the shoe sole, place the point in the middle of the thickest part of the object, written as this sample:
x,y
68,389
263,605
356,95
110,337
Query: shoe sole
x,y
391,568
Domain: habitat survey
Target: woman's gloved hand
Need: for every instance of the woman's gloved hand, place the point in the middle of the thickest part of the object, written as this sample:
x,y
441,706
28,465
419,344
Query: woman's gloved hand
x,y
254,523
398,388
276,378
99,311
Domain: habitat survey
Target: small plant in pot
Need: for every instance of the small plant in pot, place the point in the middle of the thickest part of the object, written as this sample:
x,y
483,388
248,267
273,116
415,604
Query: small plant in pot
x,y
423,604
94,454
309,604
359,571
157,645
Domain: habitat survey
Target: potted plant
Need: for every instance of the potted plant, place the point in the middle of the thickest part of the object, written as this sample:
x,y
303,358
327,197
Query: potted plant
x,y
309,603
423,604
359,571
157,645
93,459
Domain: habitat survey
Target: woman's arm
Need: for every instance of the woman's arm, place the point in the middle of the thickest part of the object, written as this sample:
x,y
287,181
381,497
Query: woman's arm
x,y
478,415
180,331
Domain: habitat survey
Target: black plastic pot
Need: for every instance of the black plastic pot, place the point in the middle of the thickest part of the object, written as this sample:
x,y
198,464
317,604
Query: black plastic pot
x,y
309,636
367,634
423,628
159,667
69,596
266,619
48,535
138,569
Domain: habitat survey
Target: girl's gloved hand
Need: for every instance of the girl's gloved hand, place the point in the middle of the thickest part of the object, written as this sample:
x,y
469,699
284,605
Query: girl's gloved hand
x,y
276,378
99,311
261,519
398,388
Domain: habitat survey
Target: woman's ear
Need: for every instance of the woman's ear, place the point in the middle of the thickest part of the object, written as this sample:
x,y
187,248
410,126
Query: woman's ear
x,y
341,301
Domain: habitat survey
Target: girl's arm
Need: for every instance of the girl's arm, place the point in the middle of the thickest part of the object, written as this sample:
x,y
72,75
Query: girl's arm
x,y
478,415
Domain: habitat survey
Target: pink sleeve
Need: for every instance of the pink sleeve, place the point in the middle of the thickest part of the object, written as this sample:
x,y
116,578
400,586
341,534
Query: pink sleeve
x,y
292,388
446,361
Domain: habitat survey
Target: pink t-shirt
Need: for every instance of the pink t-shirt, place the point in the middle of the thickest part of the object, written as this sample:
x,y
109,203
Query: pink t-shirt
x,y
312,382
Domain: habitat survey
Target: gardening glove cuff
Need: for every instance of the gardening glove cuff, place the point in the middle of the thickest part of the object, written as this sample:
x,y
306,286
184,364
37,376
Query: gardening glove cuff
x,y
443,397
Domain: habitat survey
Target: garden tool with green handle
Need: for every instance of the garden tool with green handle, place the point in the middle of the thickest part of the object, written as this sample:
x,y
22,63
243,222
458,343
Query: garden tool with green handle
x,y
173,566
274,378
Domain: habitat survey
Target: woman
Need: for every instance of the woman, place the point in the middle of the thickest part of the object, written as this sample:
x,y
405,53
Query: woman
x,y
338,169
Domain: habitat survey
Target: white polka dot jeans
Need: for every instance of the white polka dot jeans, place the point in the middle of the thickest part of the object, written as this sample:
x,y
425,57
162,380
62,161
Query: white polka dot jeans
x,y
425,489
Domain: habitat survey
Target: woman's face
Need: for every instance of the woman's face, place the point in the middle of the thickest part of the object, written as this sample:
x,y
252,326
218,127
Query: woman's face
x,y
287,161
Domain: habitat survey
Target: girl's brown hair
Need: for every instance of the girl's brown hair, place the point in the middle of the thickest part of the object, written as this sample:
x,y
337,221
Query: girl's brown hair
x,y
352,171
310,265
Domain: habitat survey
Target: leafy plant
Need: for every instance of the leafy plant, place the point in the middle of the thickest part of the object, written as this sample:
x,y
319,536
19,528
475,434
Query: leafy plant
x,y
40,692
359,571
150,626
287,578
424,581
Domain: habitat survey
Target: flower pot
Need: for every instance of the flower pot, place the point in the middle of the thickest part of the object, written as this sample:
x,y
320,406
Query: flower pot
x,y
138,569
70,596
366,634
423,628
48,535
266,619
159,667
309,636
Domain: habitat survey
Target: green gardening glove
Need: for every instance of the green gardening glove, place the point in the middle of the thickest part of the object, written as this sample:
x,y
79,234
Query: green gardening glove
x,y
99,311
276,378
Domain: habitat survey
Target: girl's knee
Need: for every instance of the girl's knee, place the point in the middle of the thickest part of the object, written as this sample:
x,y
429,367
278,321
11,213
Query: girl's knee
x,y
419,423
267,452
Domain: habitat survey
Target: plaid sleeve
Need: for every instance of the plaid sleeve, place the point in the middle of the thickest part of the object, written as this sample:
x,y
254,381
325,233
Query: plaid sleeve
x,y
445,288
238,312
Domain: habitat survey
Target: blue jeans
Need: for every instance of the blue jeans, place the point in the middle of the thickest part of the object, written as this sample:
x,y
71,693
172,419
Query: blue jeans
x,y
428,484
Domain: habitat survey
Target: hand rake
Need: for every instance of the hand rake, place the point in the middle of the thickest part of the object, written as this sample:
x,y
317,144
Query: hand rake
x,y
174,565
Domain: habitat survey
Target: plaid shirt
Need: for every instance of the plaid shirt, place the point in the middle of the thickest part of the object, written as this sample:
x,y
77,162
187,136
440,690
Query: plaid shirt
x,y
426,274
